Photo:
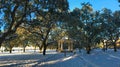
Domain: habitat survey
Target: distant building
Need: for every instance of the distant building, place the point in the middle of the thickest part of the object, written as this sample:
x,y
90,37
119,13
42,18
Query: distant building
x,y
65,44
118,43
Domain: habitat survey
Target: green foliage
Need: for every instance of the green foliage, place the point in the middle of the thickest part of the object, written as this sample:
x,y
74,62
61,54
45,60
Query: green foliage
x,y
43,22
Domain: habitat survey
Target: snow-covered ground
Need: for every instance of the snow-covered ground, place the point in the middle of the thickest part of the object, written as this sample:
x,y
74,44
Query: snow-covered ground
x,y
97,58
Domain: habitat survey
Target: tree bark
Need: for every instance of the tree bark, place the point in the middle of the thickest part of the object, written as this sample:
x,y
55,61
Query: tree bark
x,y
35,48
44,49
114,43
115,47
24,49
88,49
10,50
44,43
4,35
40,49
44,46
1,41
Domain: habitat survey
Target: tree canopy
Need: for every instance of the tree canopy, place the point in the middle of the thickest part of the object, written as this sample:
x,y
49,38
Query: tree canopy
x,y
44,22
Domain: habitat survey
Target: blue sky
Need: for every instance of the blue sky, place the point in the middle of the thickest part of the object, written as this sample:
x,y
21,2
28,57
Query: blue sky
x,y
96,4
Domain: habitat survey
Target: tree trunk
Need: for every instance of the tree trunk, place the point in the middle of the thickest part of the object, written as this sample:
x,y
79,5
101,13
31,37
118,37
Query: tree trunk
x,y
88,49
114,43
2,39
115,47
106,46
1,43
44,46
24,49
10,50
44,43
44,49
35,48
103,46
40,48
